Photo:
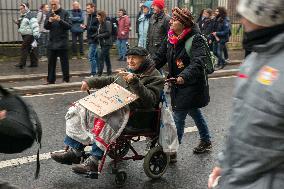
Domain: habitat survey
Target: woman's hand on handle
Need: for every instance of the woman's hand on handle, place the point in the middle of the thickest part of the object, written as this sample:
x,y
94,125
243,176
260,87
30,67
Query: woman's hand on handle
x,y
85,87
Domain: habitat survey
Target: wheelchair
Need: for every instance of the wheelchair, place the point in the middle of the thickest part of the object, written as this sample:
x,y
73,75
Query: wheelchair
x,y
141,123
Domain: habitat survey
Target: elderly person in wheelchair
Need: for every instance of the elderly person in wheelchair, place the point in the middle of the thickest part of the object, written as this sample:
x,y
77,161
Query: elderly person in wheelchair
x,y
141,78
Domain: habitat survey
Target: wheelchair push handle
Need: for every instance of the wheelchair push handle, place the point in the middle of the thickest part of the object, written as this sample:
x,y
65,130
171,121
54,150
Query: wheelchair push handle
x,y
171,80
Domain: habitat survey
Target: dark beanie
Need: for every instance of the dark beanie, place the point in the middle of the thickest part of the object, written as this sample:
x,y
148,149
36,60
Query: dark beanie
x,y
140,51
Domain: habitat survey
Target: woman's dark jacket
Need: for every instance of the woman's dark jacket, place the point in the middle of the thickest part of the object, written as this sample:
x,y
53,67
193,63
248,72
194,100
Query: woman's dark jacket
x,y
207,26
103,35
194,93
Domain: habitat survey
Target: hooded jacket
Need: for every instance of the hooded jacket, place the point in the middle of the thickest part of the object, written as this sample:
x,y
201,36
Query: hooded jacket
x,y
194,93
143,22
29,25
254,152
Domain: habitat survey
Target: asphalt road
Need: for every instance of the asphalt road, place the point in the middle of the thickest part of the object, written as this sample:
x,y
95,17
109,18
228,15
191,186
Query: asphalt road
x,y
190,172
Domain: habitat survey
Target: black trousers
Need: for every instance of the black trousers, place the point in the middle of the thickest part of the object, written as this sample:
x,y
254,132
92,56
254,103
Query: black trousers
x,y
27,49
78,36
52,59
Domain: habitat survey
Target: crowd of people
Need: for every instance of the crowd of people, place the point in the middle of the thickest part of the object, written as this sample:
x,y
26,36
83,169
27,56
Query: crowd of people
x,y
253,154
41,38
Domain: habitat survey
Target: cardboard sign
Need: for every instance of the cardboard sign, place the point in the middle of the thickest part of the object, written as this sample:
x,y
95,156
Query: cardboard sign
x,y
108,99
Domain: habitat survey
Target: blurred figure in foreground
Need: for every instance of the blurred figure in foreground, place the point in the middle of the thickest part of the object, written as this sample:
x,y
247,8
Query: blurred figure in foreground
x,y
254,152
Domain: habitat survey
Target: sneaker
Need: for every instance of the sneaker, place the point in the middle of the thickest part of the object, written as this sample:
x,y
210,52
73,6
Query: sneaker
x,y
227,61
74,58
202,147
68,157
89,166
173,158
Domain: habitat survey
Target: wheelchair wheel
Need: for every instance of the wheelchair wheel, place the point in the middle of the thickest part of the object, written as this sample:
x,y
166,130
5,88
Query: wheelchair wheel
x,y
120,178
119,152
156,162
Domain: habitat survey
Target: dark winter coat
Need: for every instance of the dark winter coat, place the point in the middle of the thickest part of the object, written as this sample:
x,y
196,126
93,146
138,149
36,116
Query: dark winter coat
x,y
157,32
194,93
148,86
207,26
103,36
222,29
58,35
92,27
77,18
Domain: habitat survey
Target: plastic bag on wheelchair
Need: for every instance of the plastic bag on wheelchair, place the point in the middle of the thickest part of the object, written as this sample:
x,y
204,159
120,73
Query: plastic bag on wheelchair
x,y
168,138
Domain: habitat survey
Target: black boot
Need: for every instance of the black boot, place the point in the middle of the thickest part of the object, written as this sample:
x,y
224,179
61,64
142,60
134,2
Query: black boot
x,y
203,146
90,166
69,157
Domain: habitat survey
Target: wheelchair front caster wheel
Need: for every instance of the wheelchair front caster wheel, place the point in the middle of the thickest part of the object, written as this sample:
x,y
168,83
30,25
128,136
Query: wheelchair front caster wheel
x,y
156,162
120,178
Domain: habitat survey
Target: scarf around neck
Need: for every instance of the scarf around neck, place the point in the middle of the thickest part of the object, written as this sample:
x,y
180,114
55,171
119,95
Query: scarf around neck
x,y
174,39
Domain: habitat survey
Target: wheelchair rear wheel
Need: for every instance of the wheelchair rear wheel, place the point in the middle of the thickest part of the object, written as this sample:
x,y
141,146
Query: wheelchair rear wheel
x,y
120,151
156,162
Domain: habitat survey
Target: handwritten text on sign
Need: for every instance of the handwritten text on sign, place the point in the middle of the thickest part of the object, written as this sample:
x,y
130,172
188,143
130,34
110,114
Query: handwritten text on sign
x,y
108,99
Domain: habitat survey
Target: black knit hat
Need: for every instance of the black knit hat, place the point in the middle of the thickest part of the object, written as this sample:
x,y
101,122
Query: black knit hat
x,y
140,51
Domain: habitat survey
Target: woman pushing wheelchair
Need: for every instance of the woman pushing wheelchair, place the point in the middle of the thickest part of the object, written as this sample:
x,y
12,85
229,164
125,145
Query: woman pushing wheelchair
x,y
140,78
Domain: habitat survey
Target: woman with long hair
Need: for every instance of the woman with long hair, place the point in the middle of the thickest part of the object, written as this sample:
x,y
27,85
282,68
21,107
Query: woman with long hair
x,y
220,35
104,40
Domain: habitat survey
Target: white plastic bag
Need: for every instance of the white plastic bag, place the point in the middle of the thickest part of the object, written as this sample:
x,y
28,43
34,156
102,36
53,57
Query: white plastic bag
x,y
168,138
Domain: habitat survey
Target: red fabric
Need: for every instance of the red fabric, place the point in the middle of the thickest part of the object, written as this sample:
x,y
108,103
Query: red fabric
x,y
99,124
100,140
123,27
174,39
159,3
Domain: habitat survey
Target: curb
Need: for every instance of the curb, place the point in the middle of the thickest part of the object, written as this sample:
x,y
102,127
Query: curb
x,y
63,87
75,73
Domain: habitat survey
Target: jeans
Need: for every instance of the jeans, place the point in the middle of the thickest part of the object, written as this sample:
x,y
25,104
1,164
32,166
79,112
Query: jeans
x,y
52,59
121,45
93,58
218,50
78,36
42,47
195,113
104,57
96,151
27,49
226,55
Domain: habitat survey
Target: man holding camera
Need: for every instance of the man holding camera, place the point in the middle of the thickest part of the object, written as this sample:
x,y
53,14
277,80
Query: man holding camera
x,y
58,23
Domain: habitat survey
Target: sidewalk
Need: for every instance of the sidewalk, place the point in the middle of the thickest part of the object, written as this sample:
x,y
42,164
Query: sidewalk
x,y
79,65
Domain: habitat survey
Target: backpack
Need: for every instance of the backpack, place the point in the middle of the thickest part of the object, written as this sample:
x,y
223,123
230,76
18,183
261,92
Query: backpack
x,y
211,59
114,26
20,128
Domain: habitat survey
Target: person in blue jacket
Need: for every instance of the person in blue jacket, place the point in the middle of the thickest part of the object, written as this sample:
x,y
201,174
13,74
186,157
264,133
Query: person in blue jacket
x,y
220,35
143,23
77,18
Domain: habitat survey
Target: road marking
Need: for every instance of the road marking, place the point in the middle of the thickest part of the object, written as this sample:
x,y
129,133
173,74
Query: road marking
x,y
226,77
46,156
74,92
